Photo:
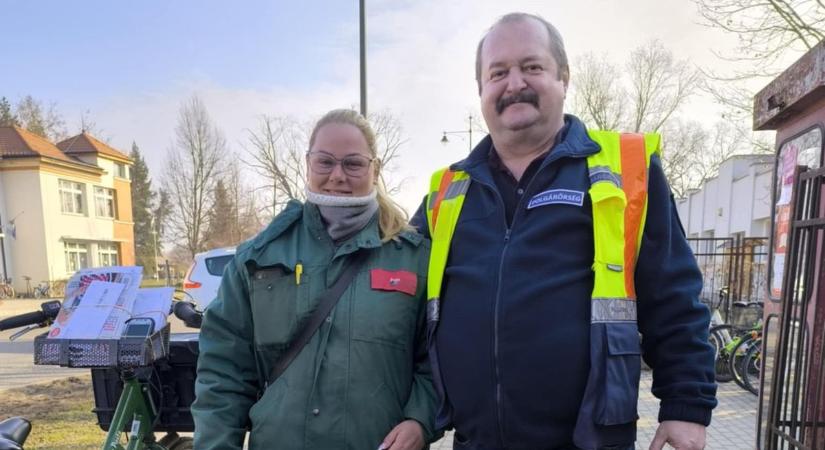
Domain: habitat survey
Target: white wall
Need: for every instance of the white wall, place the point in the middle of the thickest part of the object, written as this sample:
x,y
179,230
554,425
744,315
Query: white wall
x,y
27,253
737,200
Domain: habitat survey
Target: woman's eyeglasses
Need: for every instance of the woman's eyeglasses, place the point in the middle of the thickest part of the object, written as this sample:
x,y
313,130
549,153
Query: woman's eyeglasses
x,y
323,163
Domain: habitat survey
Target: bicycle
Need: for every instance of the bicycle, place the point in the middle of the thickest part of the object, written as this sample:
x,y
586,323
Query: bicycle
x,y
746,361
150,394
752,367
723,338
6,289
41,290
731,343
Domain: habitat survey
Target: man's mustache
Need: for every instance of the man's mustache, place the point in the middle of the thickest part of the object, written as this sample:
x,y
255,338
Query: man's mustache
x,y
521,97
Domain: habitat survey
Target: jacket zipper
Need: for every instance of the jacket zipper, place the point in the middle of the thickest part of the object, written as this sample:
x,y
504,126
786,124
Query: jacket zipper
x,y
508,231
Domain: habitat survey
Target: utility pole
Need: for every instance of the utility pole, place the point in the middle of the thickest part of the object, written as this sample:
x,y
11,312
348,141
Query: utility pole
x,y
3,250
155,234
363,49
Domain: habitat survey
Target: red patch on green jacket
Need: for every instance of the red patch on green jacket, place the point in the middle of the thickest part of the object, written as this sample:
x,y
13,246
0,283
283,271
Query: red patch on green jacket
x,y
399,280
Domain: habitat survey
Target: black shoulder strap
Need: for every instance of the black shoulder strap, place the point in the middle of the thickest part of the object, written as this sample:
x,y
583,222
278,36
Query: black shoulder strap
x,y
327,301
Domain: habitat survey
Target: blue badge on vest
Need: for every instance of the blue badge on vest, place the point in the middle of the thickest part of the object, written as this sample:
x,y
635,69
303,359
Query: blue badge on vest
x,y
556,196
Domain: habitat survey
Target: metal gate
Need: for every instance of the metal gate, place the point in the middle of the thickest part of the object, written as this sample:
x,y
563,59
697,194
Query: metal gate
x,y
795,414
733,270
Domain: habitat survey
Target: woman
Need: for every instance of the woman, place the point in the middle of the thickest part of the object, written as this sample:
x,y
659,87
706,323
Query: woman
x,y
363,380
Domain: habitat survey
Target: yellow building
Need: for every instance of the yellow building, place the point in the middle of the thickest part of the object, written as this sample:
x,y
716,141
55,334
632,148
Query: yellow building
x,y
62,207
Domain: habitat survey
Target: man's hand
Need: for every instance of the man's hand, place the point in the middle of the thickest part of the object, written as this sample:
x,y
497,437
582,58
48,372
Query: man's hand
x,y
680,435
407,435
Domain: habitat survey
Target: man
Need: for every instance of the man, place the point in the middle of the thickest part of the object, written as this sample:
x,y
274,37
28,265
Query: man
x,y
535,306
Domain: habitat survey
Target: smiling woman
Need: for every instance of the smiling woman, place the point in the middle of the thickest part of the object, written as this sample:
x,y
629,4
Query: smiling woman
x,y
345,171
358,376
339,161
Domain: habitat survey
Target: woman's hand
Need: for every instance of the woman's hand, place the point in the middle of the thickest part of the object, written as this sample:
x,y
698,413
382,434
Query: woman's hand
x,y
407,435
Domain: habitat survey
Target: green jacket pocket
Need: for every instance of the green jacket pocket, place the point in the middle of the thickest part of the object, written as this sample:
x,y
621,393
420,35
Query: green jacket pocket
x,y
278,299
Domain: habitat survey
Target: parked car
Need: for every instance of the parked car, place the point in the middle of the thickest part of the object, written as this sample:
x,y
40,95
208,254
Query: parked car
x,y
204,275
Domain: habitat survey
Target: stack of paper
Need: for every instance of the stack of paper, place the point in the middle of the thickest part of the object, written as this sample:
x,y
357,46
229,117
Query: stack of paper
x,y
99,302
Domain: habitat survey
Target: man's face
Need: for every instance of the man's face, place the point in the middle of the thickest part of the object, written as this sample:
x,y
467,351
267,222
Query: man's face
x,y
520,86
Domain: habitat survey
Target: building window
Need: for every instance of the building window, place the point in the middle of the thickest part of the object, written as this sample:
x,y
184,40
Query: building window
x,y
71,197
122,170
107,254
77,256
104,202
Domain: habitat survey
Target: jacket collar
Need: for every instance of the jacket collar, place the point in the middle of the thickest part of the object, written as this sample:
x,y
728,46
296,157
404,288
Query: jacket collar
x,y
368,237
267,250
575,144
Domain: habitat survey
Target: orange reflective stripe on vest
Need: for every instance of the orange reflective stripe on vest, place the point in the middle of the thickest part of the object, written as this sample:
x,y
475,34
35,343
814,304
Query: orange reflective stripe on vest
x,y
442,191
634,184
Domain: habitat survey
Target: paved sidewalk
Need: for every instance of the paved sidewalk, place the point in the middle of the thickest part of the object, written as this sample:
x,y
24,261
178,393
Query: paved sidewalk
x,y
733,426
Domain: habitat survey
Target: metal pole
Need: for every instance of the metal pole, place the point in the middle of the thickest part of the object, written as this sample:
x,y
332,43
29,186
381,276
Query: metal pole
x,y
155,235
470,130
363,49
3,250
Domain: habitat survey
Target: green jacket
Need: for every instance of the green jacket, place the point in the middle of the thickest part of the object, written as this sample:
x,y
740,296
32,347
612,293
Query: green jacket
x,y
363,372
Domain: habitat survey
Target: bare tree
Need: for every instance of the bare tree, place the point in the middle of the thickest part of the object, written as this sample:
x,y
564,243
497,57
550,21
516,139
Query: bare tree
x,y
653,87
598,96
90,126
693,153
766,30
683,143
192,169
389,138
40,119
659,85
276,148
234,216
248,221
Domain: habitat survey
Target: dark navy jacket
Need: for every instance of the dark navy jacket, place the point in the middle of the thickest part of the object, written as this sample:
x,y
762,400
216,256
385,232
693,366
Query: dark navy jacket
x,y
512,346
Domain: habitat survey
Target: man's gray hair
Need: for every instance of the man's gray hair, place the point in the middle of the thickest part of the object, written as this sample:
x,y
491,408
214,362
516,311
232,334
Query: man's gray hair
x,y
556,43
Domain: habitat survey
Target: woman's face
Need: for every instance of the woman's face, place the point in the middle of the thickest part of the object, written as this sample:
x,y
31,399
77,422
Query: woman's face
x,y
340,163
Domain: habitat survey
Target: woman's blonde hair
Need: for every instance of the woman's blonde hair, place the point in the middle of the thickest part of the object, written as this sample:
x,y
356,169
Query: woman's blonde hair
x,y
392,219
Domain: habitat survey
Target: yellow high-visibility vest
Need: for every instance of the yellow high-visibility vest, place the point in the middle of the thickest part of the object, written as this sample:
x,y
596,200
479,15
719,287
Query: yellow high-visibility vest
x,y
618,192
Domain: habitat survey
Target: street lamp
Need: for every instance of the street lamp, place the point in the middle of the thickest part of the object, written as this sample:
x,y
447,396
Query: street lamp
x,y
468,131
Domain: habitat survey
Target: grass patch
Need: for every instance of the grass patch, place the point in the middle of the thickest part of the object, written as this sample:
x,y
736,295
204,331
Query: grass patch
x,y
60,412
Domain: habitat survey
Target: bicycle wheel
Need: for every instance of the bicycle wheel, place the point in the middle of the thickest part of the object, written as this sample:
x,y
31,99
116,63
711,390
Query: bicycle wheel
x,y
737,359
720,336
752,367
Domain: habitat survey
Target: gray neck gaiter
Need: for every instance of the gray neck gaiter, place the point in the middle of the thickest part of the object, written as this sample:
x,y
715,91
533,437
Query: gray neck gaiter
x,y
344,215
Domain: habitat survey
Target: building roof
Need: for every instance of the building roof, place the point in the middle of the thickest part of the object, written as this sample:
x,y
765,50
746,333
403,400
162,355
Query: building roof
x,y
86,143
17,142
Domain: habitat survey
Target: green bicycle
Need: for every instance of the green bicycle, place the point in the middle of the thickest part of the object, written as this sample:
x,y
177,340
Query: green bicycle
x,y
738,355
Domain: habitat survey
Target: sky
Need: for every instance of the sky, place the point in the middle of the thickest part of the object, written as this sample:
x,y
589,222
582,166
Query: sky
x,y
128,66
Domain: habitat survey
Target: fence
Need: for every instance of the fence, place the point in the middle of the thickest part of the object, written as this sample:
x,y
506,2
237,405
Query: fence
x,y
733,269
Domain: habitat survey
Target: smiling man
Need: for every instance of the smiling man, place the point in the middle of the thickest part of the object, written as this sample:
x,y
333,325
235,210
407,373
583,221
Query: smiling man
x,y
554,247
